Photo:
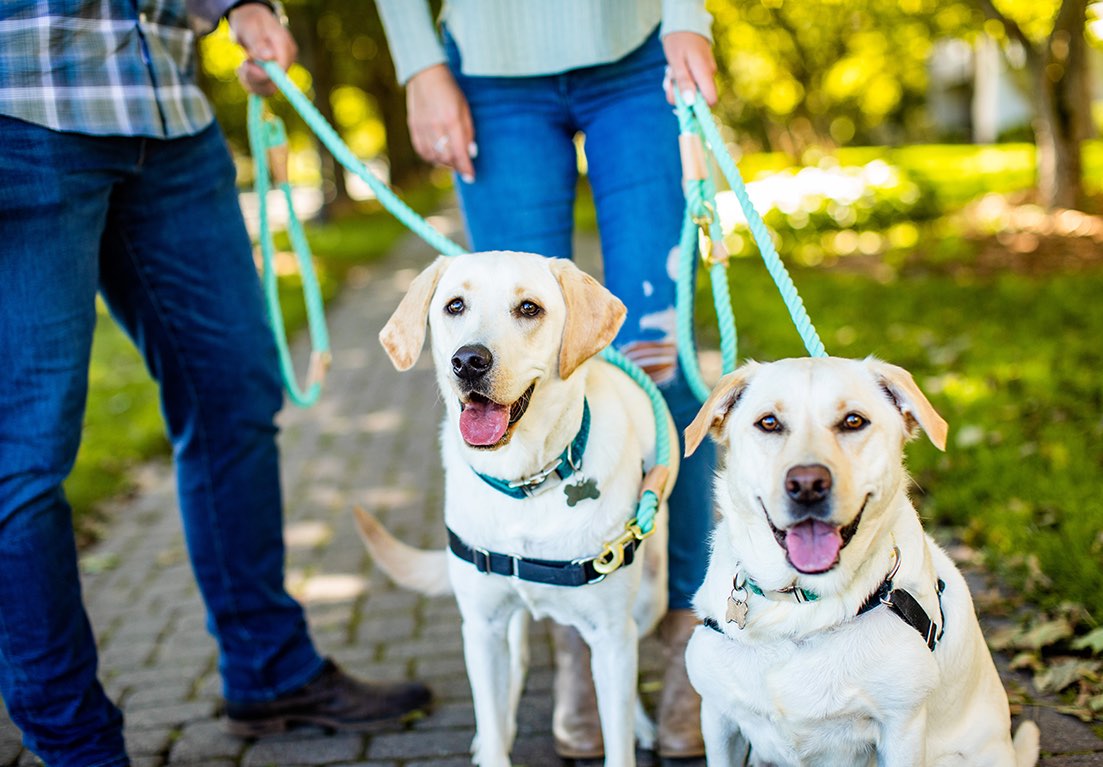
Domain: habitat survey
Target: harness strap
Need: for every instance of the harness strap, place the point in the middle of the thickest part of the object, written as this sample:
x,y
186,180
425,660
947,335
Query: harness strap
x,y
570,460
579,572
902,604
908,609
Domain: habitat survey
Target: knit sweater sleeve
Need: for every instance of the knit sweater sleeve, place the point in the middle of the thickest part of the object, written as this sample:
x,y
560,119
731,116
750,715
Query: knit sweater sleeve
x,y
686,16
411,36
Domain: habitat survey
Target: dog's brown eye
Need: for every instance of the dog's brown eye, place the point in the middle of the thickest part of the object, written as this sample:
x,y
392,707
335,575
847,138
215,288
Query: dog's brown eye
x,y
528,309
769,423
854,422
455,306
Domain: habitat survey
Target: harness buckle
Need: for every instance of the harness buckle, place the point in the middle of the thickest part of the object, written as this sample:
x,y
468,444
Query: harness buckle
x,y
481,559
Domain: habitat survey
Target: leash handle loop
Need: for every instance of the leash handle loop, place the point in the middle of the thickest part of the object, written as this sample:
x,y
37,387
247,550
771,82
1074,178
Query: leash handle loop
x,y
268,142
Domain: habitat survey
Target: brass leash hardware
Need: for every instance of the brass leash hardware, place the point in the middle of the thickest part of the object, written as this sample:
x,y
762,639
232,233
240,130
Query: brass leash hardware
x,y
612,556
718,255
712,251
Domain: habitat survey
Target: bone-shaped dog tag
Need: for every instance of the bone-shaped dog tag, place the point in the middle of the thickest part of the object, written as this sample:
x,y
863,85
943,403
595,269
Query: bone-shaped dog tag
x,y
586,488
737,601
737,612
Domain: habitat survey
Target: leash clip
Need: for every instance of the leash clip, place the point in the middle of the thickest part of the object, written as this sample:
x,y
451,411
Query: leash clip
x,y
712,251
612,556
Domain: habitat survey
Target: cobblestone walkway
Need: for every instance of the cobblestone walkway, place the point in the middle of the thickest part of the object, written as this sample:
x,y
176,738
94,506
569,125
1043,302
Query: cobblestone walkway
x,y
372,440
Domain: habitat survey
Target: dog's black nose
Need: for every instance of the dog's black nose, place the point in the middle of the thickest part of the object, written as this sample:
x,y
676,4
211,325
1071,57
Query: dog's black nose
x,y
809,484
471,362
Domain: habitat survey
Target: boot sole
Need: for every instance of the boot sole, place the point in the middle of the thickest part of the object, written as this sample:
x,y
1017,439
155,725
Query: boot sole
x,y
261,727
563,751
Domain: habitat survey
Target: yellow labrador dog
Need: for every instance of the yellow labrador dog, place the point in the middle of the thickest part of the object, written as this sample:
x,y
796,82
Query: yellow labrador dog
x,y
836,631
544,449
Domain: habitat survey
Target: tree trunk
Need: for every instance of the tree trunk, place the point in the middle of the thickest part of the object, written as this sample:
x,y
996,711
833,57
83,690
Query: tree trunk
x,y
1061,95
406,166
1062,100
313,53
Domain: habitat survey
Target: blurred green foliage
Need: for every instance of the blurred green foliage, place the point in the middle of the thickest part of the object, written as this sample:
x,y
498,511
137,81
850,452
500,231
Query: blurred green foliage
x,y
845,72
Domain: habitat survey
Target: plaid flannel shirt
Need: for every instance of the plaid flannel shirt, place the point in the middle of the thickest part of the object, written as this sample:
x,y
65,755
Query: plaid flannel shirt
x,y
104,67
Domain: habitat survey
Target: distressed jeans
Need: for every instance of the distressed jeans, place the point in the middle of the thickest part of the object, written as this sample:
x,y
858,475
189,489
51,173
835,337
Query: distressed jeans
x,y
155,227
526,173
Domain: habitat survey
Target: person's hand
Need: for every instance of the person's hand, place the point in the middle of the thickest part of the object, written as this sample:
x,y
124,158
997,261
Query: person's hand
x,y
258,30
691,66
440,121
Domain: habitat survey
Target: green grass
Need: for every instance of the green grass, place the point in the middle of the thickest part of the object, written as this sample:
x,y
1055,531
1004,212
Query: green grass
x,y
958,172
123,425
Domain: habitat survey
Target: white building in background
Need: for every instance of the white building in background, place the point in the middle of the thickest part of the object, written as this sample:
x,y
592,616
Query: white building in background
x,y
972,91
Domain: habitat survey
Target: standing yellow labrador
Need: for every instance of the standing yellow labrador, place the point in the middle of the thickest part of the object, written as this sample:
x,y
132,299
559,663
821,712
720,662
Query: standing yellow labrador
x,y
836,631
544,449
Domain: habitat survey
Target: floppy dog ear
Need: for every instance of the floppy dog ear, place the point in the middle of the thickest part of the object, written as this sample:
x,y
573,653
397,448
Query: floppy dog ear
x,y
910,401
710,418
404,333
594,315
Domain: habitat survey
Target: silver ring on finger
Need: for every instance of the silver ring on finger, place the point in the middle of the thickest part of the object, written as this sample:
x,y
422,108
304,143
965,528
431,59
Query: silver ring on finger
x,y
440,145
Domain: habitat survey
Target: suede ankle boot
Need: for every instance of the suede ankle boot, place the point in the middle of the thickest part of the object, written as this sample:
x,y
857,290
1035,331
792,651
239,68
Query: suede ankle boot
x,y
680,705
575,721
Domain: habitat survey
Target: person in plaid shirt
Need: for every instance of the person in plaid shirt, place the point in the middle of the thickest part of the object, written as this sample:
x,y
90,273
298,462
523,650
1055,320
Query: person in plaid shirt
x,y
117,180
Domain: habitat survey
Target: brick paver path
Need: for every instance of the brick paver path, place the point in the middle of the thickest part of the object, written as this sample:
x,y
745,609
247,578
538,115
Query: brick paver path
x,y
372,440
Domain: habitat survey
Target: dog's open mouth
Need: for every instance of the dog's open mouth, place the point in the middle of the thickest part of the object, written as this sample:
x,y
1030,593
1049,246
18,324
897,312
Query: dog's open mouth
x,y
813,546
486,423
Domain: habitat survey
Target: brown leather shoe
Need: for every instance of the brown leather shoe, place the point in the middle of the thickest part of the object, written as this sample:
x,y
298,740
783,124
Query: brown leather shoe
x,y
332,700
576,724
680,705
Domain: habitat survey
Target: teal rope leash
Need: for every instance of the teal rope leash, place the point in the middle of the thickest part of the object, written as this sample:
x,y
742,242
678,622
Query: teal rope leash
x,y
341,152
696,120
265,136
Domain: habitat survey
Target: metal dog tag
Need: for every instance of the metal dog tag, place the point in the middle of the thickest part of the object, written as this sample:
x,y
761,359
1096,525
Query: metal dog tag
x,y
737,602
583,489
737,612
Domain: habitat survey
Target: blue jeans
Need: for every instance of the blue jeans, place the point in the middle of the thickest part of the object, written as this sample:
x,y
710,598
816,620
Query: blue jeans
x,y
155,226
523,197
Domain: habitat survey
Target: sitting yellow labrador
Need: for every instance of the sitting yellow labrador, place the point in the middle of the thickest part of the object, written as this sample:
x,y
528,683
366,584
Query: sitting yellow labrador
x,y
545,447
836,632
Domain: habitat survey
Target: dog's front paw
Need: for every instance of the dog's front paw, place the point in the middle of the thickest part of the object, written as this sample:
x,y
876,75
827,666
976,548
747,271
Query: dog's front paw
x,y
484,758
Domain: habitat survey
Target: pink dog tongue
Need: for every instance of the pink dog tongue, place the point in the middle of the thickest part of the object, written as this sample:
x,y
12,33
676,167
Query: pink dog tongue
x,y
483,423
813,546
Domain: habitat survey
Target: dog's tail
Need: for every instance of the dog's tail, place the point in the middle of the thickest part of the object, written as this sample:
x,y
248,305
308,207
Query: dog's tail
x,y
423,571
1026,743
